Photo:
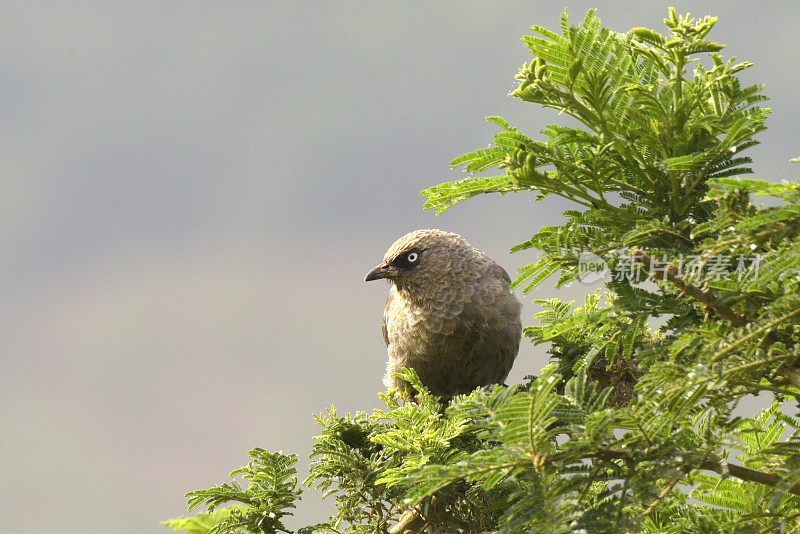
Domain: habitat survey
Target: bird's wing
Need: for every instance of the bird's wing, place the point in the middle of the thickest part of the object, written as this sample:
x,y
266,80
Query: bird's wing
x,y
493,331
384,327
501,273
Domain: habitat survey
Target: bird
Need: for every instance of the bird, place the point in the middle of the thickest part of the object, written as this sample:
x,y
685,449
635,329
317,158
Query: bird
x,y
450,314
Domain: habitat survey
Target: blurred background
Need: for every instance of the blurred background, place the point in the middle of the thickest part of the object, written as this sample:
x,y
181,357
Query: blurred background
x,y
192,193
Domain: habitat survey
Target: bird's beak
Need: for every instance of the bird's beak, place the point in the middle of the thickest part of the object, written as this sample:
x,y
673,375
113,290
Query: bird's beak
x,y
381,271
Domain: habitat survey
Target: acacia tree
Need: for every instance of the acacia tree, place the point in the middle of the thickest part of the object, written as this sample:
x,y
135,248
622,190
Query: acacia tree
x,y
631,427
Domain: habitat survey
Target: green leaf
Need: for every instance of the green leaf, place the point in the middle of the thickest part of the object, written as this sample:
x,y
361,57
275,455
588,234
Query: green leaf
x,y
202,523
447,195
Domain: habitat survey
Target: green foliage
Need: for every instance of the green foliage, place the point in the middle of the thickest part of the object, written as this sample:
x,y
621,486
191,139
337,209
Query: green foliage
x,y
649,137
636,424
270,494
202,523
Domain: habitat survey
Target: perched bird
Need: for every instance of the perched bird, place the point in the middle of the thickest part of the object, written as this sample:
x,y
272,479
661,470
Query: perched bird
x,y
450,314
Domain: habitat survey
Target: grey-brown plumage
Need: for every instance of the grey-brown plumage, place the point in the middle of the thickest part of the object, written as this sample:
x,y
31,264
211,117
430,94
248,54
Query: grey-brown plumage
x,y
450,314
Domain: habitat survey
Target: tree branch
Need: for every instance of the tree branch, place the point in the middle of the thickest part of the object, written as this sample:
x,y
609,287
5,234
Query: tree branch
x,y
751,475
709,301
791,375
740,472
704,296
409,523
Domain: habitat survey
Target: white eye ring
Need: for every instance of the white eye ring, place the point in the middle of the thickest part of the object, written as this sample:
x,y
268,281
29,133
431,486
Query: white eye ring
x,y
412,257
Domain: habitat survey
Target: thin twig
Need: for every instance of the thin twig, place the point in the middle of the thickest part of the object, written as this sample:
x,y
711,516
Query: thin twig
x,y
662,494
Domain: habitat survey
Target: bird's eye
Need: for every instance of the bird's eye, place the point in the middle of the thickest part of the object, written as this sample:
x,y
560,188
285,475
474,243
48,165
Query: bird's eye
x,y
407,260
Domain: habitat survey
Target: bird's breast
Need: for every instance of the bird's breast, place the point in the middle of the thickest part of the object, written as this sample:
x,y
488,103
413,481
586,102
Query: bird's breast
x,y
422,328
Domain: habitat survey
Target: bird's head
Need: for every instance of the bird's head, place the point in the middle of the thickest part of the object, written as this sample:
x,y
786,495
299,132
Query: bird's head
x,y
423,257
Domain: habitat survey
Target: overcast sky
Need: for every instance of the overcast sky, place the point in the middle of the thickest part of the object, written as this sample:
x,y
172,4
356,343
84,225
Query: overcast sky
x,y
192,193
